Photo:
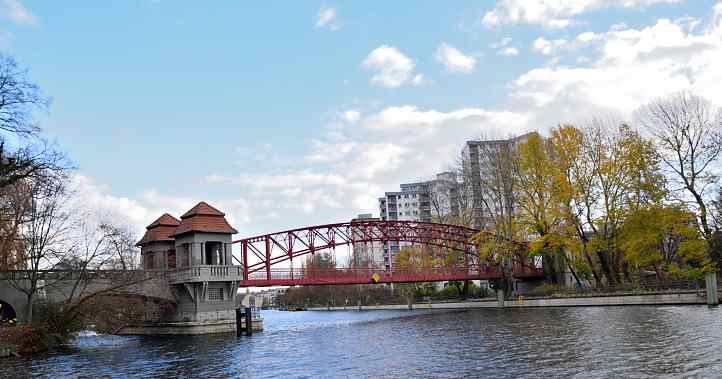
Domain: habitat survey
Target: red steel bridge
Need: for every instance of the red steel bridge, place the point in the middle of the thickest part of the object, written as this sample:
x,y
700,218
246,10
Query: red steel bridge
x,y
263,256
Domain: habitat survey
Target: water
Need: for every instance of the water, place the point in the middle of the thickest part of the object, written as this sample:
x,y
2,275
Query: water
x,y
543,342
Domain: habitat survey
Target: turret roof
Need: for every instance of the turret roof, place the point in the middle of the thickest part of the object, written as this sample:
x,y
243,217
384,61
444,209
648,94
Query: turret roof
x,y
204,218
160,230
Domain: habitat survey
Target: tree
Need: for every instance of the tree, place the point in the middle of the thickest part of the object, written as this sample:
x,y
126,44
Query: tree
x,y
664,239
462,202
19,98
413,257
55,235
575,189
121,247
14,206
44,235
539,210
602,172
441,198
687,134
30,162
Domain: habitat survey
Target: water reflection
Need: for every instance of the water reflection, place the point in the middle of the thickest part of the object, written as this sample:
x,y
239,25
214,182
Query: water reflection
x,y
543,342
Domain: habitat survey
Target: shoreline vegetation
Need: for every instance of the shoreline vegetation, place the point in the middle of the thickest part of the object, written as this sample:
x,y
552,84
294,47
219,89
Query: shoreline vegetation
x,y
329,297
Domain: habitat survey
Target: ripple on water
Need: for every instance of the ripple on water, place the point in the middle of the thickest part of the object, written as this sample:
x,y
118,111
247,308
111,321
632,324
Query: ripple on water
x,y
644,342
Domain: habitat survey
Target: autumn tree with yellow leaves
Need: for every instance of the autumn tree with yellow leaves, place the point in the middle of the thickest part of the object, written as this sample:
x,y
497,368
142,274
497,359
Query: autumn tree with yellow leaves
x,y
607,204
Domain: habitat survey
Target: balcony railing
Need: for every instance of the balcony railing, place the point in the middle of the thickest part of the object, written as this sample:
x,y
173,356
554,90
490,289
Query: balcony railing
x,y
206,274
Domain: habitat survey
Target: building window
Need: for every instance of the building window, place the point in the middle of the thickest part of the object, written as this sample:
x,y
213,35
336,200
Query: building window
x,y
171,259
187,254
215,294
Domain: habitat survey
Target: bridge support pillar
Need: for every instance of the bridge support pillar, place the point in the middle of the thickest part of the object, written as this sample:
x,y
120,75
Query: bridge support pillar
x,y
500,297
711,288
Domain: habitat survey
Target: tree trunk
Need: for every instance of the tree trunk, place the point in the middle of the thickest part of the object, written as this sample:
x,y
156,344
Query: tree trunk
x,y
29,308
550,269
606,268
595,274
561,263
574,274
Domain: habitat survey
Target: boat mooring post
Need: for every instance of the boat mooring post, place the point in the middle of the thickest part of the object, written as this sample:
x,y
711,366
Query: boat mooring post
x,y
239,325
711,289
249,322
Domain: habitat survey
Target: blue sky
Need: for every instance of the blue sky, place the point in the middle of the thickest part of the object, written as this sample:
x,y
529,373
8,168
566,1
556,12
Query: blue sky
x,y
289,113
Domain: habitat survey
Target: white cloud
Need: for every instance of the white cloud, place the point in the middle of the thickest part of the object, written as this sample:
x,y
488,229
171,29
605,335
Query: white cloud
x,y
351,115
418,80
140,210
454,60
631,67
388,147
547,47
393,68
503,47
509,51
16,12
327,18
554,13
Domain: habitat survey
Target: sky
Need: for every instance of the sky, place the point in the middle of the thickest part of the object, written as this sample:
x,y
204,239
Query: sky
x,y
292,113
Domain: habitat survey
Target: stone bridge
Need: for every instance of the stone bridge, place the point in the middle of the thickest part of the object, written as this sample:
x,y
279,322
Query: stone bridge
x,y
58,286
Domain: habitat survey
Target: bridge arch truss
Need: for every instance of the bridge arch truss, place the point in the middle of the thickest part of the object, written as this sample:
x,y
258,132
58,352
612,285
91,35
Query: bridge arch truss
x,y
261,256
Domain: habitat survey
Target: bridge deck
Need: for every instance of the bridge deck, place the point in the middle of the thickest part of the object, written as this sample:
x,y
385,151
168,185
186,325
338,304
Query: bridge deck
x,y
287,277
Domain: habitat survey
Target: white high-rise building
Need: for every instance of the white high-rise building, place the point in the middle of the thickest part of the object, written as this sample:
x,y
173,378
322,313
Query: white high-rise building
x,y
421,201
366,254
489,161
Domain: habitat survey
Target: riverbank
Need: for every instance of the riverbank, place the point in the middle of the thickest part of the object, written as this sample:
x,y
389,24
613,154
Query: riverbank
x,y
16,340
676,298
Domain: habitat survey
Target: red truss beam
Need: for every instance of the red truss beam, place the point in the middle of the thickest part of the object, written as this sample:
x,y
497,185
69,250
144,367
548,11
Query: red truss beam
x,y
268,250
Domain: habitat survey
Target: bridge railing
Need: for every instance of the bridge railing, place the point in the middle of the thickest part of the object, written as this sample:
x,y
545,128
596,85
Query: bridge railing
x,y
368,273
80,274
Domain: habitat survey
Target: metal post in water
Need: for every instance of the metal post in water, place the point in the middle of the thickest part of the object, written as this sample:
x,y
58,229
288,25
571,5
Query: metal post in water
x,y
249,322
239,327
711,288
500,297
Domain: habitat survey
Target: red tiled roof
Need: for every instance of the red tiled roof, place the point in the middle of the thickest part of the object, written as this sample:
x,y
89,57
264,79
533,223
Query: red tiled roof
x,y
164,220
160,230
202,209
203,218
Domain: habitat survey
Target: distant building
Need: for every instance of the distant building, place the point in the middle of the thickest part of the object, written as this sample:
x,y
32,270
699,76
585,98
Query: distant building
x,y
425,201
270,298
366,254
484,159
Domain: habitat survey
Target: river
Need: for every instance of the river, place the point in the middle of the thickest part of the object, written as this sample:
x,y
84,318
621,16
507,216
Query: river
x,y
589,342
